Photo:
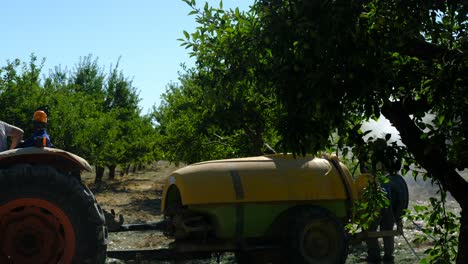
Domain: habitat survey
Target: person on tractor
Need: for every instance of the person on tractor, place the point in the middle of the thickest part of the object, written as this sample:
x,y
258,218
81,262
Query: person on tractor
x,y
39,138
7,130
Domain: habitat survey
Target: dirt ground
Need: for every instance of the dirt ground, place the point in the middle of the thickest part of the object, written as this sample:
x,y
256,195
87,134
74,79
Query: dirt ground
x,y
137,197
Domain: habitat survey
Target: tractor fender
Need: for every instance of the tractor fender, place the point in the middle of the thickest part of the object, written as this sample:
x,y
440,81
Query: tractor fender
x,y
57,158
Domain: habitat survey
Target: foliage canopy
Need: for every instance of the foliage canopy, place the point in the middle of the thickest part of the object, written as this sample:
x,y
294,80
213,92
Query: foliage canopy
x,y
92,114
302,71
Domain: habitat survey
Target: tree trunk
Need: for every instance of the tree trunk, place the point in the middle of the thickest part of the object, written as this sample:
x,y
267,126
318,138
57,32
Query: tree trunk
x,y
463,238
256,139
258,143
429,153
127,169
111,171
99,174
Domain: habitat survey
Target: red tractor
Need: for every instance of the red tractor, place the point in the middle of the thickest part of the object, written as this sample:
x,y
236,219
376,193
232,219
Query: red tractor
x,y
47,215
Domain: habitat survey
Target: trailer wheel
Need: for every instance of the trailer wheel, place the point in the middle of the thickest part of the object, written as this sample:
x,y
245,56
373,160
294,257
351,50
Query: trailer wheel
x,y
48,217
317,236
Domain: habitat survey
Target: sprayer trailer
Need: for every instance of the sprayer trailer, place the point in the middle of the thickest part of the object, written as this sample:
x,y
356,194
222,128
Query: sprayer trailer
x,y
267,209
271,201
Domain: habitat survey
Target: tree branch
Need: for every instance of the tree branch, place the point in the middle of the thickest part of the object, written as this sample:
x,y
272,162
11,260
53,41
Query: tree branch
x,y
428,154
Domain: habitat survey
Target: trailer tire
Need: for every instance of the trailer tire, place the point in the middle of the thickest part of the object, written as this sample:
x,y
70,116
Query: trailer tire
x,y
47,216
316,236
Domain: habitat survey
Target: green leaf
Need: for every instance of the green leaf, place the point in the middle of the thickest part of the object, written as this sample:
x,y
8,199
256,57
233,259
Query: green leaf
x,y
187,35
441,119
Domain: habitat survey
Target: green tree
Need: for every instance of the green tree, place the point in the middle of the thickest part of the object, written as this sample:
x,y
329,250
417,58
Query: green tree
x,y
88,77
219,108
194,126
101,136
106,129
141,147
183,132
68,111
90,113
20,92
121,98
332,65
404,60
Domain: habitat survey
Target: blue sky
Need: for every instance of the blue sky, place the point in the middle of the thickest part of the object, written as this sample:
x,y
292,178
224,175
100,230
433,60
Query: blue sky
x,y
143,33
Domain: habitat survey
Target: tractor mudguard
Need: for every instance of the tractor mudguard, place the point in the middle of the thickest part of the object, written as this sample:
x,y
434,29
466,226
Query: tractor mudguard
x,y
57,158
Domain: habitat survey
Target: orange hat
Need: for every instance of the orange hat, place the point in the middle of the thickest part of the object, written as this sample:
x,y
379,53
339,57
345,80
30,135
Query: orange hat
x,y
40,116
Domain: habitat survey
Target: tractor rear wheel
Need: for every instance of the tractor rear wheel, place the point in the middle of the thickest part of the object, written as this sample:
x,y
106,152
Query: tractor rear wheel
x,y
316,237
48,217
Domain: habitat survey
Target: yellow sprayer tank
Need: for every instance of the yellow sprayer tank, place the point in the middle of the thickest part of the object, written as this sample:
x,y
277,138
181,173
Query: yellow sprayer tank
x,y
273,199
